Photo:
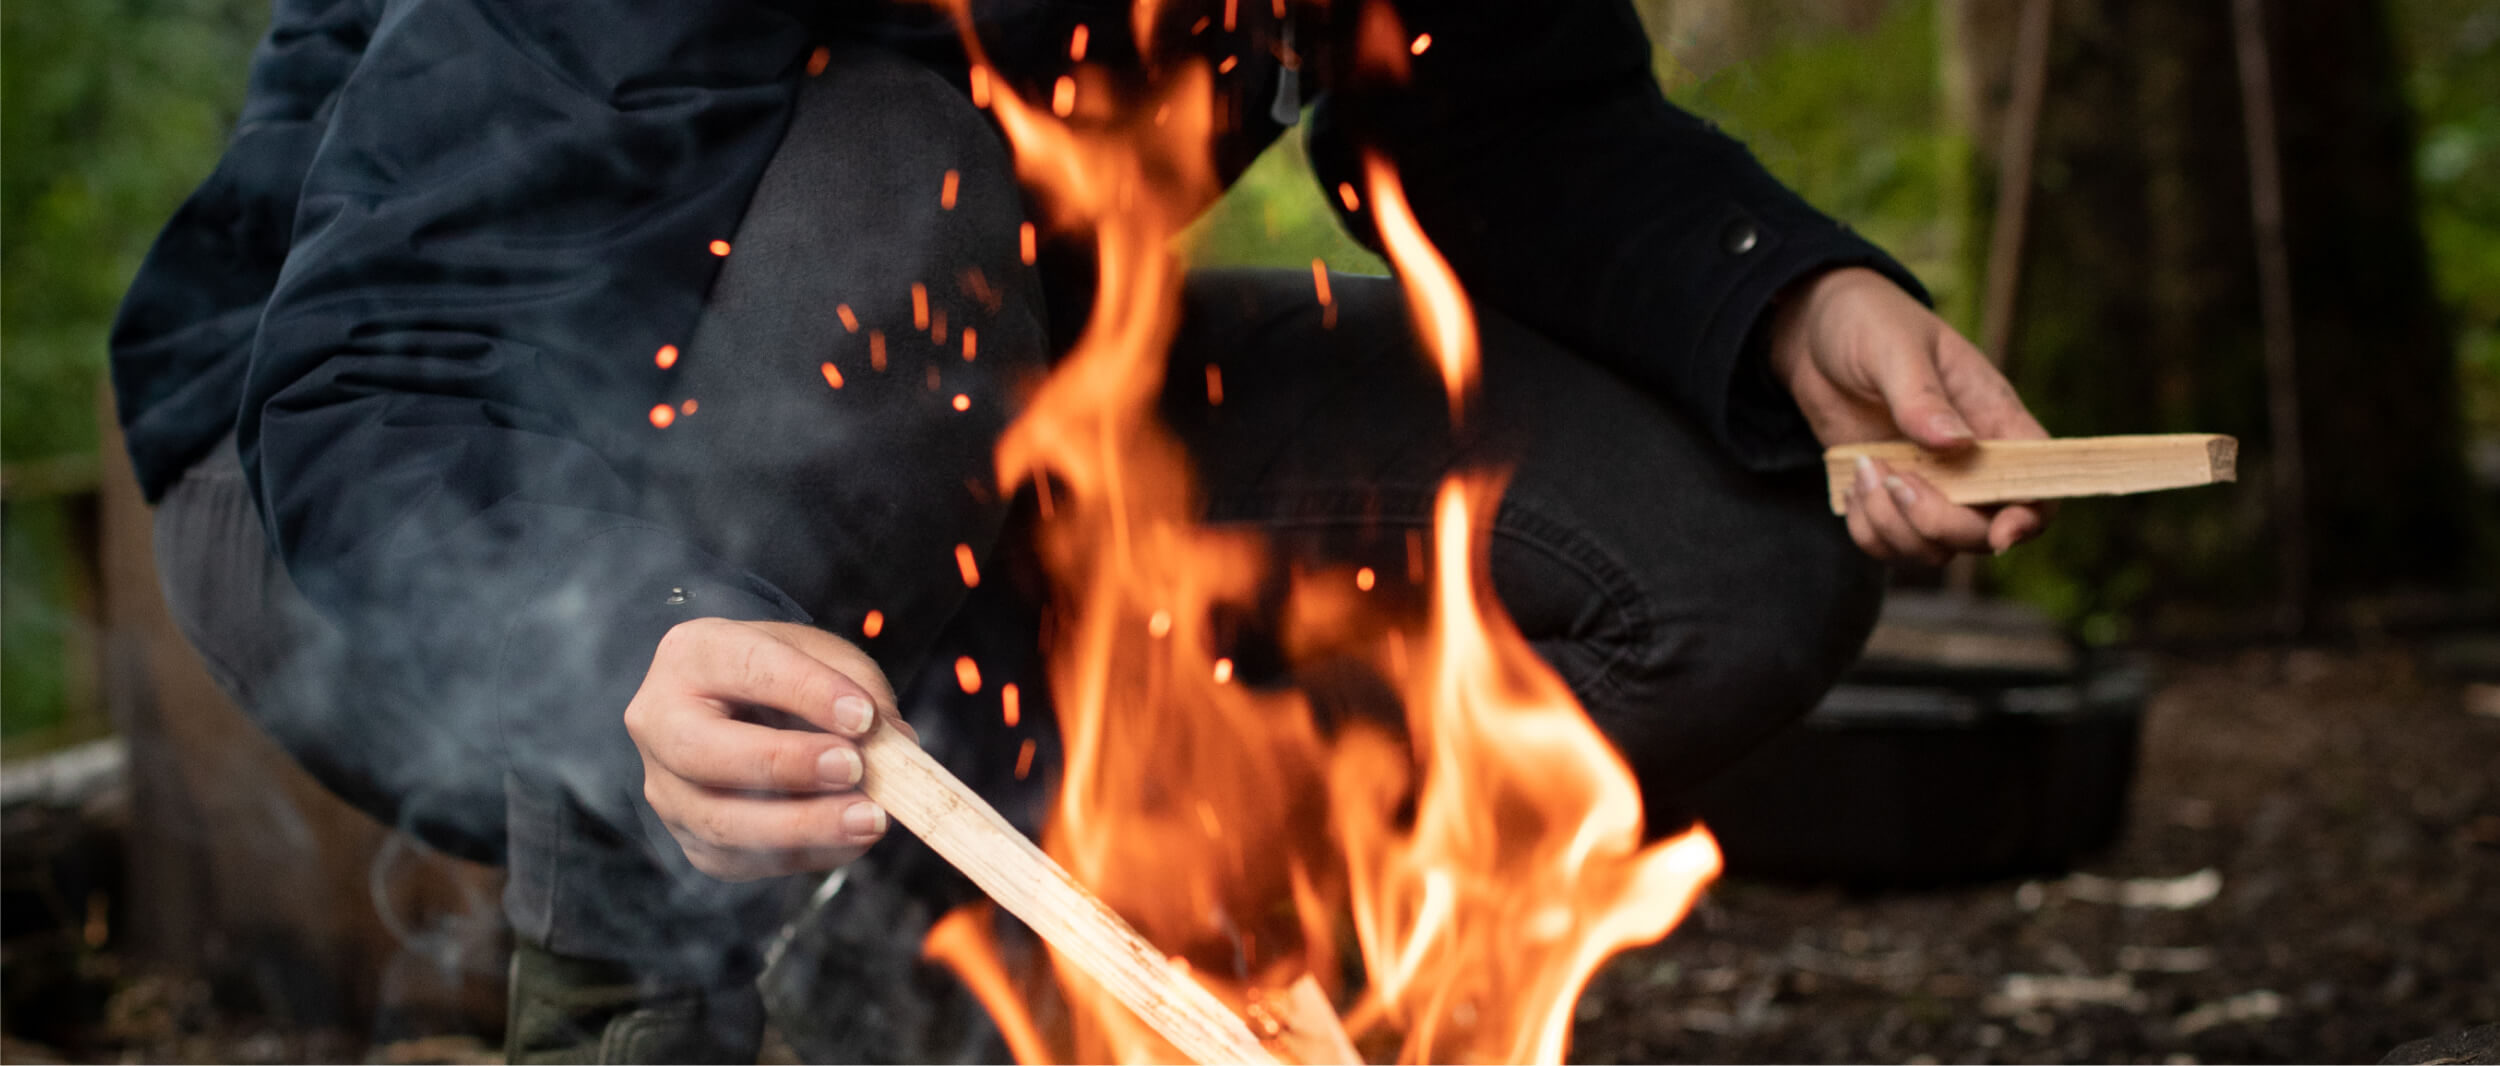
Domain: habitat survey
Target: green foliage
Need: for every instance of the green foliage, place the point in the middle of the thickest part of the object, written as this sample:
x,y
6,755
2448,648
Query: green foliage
x,y
1277,216
2451,50
109,113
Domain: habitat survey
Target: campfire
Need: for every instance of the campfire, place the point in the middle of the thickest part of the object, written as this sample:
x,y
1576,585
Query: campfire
x,y
1437,884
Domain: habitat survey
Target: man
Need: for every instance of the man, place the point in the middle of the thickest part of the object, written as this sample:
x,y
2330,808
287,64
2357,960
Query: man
x,y
516,319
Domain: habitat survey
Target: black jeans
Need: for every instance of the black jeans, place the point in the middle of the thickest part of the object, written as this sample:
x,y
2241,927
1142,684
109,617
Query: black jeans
x,y
1694,607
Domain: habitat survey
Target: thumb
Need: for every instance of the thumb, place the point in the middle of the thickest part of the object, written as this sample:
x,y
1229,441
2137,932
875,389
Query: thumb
x,y
1914,393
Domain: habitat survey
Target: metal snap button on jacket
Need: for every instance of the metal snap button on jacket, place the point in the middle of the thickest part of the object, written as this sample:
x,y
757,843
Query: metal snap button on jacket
x,y
677,596
1739,237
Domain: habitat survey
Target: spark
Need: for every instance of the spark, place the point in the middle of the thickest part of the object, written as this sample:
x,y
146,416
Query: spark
x,y
1215,385
1063,97
850,322
981,87
919,306
937,325
1076,42
689,406
963,402
1364,579
833,374
1423,41
1223,671
1353,200
1232,14
663,415
972,343
818,60
667,356
1200,26
1160,624
967,674
720,247
1226,67
1026,235
1011,703
876,349
970,567
1319,280
872,625
1024,759
946,190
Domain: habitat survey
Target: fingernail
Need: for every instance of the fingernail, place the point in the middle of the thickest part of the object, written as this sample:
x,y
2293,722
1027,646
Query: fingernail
x,y
1950,425
1866,475
864,819
839,767
1901,493
853,715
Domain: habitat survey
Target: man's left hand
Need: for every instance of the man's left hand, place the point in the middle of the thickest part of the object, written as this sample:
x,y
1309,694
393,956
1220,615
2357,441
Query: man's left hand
x,y
1867,362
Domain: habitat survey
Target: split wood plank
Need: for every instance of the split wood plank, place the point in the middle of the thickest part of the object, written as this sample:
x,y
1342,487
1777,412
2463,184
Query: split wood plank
x,y
1309,1029
957,824
2003,471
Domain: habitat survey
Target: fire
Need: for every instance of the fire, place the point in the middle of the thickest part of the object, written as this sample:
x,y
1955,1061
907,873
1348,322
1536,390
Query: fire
x,y
1478,847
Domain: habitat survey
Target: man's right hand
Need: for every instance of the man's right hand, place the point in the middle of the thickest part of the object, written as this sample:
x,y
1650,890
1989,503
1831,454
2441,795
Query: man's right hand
x,y
748,800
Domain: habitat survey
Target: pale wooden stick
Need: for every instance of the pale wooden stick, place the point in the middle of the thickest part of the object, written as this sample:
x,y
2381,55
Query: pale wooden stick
x,y
1309,1029
2003,471
958,825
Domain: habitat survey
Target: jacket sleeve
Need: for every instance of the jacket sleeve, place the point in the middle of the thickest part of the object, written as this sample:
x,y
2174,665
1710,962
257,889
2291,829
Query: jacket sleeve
x,y
1541,158
452,384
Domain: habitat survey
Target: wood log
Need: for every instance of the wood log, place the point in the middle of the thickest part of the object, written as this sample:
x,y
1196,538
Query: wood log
x,y
2004,471
957,824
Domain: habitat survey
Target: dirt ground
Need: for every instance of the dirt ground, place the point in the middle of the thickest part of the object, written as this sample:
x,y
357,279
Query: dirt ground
x,y
2347,807
2324,827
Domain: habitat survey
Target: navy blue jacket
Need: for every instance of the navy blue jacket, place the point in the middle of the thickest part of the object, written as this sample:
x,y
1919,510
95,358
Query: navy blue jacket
x,y
423,286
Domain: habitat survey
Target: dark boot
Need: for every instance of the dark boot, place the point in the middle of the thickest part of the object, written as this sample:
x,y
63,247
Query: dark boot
x,y
569,1010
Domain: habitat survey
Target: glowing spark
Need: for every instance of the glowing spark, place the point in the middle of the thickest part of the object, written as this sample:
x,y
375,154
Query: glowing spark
x,y
970,567
919,306
876,349
932,377
1026,236
937,325
1223,671
872,625
1024,759
663,415
1215,385
1076,42
667,356
963,402
981,87
1422,41
1232,14
1200,26
1011,702
1160,625
972,343
850,322
946,190
818,60
1063,97
1345,192
720,247
1364,579
1226,67
689,406
833,374
968,674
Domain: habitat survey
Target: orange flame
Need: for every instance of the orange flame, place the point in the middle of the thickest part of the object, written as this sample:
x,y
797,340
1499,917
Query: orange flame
x,y
1483,848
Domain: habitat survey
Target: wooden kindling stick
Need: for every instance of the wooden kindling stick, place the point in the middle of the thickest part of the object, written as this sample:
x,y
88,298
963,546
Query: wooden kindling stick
x,y
957,824
2004,471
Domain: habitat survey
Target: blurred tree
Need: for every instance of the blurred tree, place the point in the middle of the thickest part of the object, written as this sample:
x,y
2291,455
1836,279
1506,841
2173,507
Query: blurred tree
x,y
2139,307
109,113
